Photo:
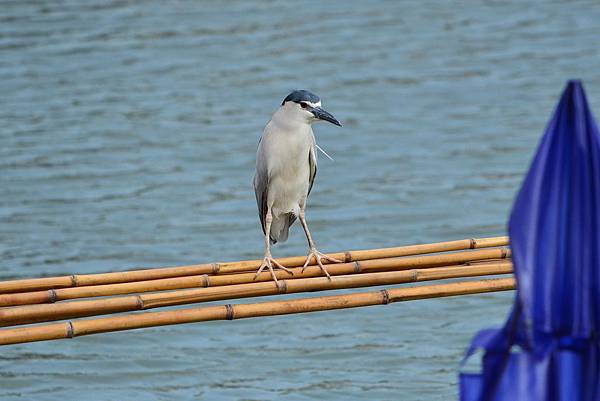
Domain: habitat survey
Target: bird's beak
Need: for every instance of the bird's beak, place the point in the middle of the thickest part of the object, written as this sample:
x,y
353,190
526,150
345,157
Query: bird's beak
x,y
324,115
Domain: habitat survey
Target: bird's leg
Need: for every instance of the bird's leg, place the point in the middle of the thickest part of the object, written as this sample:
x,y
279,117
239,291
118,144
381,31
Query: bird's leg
x,y
268,260
318,256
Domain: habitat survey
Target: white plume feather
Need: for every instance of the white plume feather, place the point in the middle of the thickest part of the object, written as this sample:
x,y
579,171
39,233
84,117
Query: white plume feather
x,y
325,153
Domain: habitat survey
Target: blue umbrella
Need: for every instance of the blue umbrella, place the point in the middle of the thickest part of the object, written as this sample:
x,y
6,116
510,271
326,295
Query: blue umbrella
x,y
549,348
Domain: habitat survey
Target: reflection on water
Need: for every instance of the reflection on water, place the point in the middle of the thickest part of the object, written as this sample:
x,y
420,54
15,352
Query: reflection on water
x,y
128,139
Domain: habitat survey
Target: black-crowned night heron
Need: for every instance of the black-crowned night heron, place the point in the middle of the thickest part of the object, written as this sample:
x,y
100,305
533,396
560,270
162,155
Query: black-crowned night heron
x,y
286,166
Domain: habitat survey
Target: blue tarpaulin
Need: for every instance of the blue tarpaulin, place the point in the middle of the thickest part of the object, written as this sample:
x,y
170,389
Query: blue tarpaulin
x,y
549,347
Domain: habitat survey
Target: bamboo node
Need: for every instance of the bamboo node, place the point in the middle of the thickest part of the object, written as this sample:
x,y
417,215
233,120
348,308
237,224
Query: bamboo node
x,y
70,330
281,286
473,243
74,280
229,310
215,268
52,296
347,257
414,276
504,253
140,302
386,297
357,267
205,280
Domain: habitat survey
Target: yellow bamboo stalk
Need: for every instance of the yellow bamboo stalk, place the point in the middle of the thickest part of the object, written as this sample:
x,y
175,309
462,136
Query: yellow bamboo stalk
x,y
410,262
67,310
78,328
78,280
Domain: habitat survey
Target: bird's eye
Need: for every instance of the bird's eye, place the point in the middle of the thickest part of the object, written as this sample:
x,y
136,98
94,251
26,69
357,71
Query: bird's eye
x,y
303,105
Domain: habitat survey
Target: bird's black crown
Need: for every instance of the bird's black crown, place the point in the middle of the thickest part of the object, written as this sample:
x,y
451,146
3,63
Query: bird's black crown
x,y
302,95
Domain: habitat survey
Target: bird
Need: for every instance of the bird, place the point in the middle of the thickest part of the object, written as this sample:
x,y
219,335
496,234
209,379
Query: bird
x,y
286,167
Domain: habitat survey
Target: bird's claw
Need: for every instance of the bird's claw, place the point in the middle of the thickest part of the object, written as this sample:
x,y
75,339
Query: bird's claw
x,y
318,256
268,262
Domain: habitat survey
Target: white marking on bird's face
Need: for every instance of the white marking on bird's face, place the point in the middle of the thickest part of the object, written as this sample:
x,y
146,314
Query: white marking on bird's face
x,y
292,111
311,104
305,108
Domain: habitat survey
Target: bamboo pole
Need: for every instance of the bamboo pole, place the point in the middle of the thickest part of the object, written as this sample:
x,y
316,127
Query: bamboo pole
x,y
84,327
78,280
62,294
44,313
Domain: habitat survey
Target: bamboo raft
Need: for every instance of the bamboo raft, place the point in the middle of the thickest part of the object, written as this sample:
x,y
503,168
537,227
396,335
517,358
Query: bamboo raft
x,y
44,300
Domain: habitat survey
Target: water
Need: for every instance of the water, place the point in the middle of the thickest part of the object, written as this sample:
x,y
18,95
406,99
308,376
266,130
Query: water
x,y
128,135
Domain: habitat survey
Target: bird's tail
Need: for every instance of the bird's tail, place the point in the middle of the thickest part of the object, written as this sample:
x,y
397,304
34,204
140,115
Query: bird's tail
x,y
280,227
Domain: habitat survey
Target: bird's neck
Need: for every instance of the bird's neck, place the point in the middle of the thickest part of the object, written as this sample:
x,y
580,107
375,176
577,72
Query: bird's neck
x,y
290,122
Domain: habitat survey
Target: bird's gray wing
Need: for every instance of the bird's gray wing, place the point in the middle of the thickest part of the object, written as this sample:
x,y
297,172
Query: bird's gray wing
x,y
312,162
261,185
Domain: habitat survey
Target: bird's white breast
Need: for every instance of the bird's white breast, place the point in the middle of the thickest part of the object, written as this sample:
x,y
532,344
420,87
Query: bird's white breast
x,y
288,165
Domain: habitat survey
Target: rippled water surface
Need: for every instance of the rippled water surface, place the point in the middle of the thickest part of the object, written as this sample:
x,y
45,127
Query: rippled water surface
x,y
128,133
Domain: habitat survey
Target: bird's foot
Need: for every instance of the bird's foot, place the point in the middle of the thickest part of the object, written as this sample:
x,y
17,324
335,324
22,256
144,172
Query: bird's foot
x,y
269,262
318,256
